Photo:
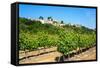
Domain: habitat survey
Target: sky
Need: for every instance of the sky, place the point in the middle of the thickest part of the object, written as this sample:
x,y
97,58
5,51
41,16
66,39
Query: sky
x,y
73,15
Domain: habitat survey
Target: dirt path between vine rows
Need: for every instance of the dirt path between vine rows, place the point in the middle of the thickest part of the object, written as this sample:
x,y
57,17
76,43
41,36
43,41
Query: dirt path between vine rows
x,y
50,57
87,55
47,57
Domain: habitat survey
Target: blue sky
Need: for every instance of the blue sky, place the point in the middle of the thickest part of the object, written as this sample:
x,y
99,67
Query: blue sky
x,y
83,16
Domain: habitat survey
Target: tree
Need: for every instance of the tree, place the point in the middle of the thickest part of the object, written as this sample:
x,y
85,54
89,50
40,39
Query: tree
x,y
50,18
62,22
41,17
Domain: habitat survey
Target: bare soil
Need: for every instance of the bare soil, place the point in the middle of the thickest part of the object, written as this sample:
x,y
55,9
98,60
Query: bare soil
x,y
49,56
51,53
87,55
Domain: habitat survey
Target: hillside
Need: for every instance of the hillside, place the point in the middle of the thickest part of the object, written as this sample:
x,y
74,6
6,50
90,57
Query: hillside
x,y
33,35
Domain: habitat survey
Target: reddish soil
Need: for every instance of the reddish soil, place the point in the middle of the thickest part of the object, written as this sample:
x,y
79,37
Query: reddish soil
x,y
50,57
87,55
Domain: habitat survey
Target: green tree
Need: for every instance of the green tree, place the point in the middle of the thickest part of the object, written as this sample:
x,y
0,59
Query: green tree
x,y
50,18
41,18
62,22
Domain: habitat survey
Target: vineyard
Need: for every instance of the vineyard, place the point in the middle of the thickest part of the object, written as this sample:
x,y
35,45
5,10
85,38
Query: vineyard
x,y
67,40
